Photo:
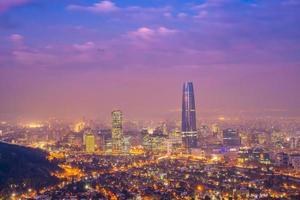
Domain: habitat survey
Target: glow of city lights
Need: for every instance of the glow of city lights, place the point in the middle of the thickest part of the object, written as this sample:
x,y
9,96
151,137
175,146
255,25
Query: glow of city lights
x,y
221,118
200,188
34,125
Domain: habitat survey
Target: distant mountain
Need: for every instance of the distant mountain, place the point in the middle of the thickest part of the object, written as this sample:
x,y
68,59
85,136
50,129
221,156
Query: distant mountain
x,y
23,167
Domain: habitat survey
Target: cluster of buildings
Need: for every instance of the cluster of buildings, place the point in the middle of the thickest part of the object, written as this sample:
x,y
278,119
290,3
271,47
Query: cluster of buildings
x,y
235,160
109,141
286,160
146,177
217,138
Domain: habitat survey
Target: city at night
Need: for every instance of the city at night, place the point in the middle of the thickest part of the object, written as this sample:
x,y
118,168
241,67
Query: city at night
x,y
149,100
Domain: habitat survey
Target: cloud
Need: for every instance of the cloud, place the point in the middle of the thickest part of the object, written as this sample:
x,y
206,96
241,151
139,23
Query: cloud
x,y
17,41
148,33
135,13
16,38
7,4
182,15
142,32
165,31
202,14
33,58
230,45
101,7
214,3
85,47
219,38
58,55
168,15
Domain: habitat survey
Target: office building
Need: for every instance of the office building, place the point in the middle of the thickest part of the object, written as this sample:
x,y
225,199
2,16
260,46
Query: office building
x,y
231,138
117,132
89,140
188,123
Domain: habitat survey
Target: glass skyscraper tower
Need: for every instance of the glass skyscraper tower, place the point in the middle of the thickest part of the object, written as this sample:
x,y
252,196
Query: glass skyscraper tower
x,y
188,123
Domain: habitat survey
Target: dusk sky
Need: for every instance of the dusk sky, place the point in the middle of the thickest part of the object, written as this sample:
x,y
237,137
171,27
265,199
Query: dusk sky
x,y
75,58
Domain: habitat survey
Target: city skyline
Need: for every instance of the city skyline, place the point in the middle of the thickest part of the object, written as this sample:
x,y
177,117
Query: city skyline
x,y
157,99
84,59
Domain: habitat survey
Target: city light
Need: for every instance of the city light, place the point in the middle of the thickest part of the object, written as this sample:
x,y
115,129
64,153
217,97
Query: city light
x,y
34,125
149,100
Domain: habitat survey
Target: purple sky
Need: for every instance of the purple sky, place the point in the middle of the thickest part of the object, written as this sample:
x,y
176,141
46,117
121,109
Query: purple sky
x,y
64,58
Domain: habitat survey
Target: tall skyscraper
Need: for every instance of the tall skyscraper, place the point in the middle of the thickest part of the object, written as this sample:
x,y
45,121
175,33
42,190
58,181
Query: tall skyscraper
x,y
188,123
117,131
89,140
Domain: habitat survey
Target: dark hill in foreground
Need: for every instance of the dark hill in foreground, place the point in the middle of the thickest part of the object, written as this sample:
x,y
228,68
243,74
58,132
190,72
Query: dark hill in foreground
x,y
22,168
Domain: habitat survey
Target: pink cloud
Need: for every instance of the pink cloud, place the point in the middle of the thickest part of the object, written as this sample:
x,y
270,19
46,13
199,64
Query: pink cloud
x,y
101,7
143,32
33,58
135,13
7,4
148,33
202,14
165,31
60,55
16,38
85,47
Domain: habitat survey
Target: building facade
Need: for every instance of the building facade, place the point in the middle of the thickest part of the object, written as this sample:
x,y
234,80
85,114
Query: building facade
x,y
231,138
117,131
89,140
188,123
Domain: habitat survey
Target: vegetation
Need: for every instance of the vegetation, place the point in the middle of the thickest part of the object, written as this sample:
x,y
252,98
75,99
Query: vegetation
x,y
22,168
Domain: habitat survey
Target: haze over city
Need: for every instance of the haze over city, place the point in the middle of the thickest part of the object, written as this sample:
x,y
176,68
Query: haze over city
x,y
73,59
149,100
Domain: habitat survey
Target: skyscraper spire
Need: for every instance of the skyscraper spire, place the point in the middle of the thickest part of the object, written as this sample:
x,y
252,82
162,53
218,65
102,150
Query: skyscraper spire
x,y
188,123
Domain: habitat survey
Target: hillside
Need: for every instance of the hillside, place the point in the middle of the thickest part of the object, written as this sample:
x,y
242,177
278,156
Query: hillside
x,y
22,168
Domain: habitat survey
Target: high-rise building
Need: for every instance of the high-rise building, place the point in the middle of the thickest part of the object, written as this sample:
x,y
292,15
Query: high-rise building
x,y
282,159
89,142
188,123
231,138
155,143
295,161
117,131
294,142
105,140
174,142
